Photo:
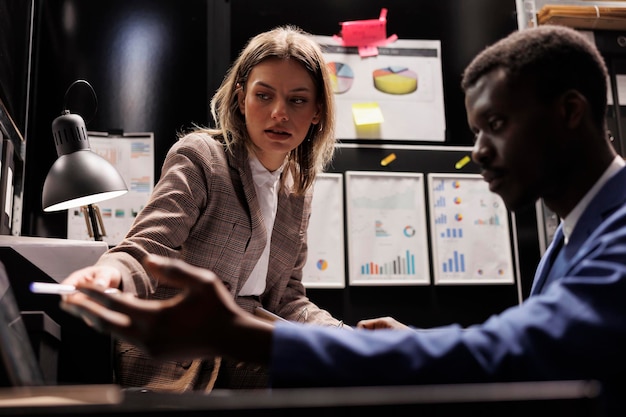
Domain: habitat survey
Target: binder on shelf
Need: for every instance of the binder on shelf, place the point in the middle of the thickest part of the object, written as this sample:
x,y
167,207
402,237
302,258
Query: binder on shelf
x,y
7,171
583,17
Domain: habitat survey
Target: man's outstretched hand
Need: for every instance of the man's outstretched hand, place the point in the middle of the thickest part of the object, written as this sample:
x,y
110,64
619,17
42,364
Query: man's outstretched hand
x,y
202,320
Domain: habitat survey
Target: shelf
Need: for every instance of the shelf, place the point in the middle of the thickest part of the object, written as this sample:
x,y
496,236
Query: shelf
x,y
527,9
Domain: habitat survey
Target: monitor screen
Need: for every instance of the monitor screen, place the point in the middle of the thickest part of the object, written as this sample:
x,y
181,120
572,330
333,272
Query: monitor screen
x,y
19,364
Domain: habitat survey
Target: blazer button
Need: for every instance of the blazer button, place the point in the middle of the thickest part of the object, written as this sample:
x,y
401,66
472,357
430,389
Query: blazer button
x,y
185,364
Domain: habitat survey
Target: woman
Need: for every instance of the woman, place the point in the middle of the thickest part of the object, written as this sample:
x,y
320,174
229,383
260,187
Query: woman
x,y
235,199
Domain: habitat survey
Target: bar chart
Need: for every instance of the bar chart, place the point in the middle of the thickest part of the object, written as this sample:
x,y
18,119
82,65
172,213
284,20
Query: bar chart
x,y
469,231
387,229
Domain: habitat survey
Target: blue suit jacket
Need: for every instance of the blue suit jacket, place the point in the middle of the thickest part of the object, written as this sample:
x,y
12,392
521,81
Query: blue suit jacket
x,y
573,328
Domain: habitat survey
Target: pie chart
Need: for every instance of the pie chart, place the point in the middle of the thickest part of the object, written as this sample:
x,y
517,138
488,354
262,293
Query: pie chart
x,y
322,264
341,77
395,80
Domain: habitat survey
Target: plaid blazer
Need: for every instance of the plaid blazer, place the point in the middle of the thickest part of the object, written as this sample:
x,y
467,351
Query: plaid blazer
x,y
204,210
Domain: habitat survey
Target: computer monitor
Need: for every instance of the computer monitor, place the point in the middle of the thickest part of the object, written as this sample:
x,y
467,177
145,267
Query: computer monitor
x,y
68,350
19,364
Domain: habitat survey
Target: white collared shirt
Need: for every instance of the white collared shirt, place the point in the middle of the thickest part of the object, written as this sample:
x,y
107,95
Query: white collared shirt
x,y
572,218
266,185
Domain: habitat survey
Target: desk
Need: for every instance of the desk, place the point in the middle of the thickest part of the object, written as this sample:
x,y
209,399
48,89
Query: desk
x,y
527,399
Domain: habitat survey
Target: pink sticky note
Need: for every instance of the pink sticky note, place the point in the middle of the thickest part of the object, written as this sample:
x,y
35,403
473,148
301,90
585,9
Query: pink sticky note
x,y
365,51
365,32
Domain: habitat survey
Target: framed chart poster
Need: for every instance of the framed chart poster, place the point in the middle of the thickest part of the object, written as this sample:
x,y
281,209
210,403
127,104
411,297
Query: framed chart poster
x,y
469,231
397,94
387,235
325,266
133,156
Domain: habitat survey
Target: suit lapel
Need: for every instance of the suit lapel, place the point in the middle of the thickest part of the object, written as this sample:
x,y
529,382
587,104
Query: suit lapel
x,y
238,161
610,198
545,265
287,235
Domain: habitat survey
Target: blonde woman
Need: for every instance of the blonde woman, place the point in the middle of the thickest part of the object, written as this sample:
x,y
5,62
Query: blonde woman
x,y
234,199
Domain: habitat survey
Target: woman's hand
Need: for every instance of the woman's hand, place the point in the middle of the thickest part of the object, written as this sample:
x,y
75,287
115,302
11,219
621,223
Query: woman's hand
x,y
102,276
381,323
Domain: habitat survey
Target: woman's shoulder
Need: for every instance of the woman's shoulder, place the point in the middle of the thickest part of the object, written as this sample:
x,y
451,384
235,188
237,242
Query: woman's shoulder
x,y
200,138
198,145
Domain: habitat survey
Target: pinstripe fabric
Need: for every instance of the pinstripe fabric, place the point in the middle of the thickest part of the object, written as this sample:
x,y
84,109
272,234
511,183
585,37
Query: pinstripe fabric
x,y
204,210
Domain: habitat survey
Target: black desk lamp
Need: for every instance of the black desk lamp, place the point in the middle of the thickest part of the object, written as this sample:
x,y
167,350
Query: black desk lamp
x,y
79,177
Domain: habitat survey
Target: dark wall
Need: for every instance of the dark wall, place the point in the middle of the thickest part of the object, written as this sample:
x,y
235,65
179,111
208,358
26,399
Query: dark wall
x,y
147,62
14,52
154,65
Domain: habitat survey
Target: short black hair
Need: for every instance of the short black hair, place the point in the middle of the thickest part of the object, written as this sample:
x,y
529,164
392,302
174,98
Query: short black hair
x,y
556,58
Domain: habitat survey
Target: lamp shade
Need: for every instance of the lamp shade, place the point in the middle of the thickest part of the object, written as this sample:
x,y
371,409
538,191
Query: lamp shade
x,y
79,176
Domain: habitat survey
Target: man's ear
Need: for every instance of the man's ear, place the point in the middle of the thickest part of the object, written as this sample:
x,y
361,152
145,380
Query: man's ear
x,y
574,107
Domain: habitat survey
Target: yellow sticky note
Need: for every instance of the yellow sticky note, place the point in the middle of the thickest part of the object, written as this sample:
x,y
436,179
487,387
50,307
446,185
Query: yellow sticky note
x,y
367,114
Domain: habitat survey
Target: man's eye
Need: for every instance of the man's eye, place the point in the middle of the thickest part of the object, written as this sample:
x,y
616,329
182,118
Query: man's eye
x,y
495,124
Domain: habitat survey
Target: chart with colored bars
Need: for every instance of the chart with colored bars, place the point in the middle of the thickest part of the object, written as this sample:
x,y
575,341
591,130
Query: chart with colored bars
x,y
386,223
402,265
325,266
469,231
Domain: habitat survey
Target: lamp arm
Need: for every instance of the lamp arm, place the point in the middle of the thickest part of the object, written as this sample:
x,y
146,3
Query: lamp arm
x,y
93,95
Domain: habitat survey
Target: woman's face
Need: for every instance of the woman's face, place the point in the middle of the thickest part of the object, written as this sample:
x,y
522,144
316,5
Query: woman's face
x,y
279,104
